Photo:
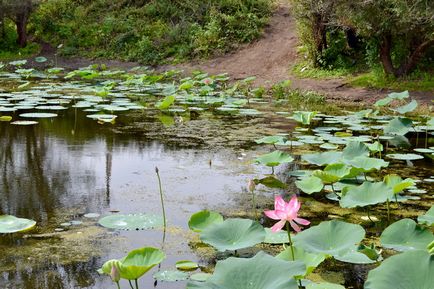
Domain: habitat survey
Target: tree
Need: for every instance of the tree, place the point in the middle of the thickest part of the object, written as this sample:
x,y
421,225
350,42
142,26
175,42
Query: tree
x,y
19,12
403,29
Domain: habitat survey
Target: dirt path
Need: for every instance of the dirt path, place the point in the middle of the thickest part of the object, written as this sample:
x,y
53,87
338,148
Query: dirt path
x,y
269,59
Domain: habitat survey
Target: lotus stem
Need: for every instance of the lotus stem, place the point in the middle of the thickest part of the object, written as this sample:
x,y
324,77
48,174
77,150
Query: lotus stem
x,y
334,192
388,211
369,215
131,284
364,174
117,284
254,205
161,197
290,241
137,283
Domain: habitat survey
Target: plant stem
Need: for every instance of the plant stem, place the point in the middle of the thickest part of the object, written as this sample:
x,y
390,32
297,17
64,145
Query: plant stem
x,y
117,283
292,249
161,196
290,241
388,211
131,284
254,205
137,283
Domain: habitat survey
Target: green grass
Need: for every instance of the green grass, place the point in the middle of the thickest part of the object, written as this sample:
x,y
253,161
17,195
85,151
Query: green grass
x,y
418,81
18,53
151,32
304,69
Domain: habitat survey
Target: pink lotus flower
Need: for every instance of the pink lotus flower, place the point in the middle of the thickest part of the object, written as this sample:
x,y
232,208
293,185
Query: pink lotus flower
x,y
284,211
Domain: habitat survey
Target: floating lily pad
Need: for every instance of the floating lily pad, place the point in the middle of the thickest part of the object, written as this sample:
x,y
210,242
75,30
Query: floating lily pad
x,y
271,182
91,215
200,277
170,276
186,265
24,122
38,115
5,118
131,222
233,234
324,158
405,157
324,285
406,235
12,224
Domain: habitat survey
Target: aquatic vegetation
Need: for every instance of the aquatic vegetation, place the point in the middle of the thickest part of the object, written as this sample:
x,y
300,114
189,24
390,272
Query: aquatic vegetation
x,y
405,235
427,218
12,224
131,222
260,272
203,219
233,234
134,265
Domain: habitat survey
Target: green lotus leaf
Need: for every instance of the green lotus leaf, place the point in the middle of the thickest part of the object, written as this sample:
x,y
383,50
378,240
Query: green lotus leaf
x,y
40,59
304,117
324,285
406,108
405,157
354,257
368,193
397,183
203,219
166,102
270,139
274,158
428,218
311,260
406,235
324,158
375,147
131,222
38,115
310,185
398,126
408,270
367,164
260,272
271,237
330,237
355,149
332,173
271,182
5,118
140,261
186,265
328,146
201,277
170,276
107,266
12,224
233,234
383,101
399,95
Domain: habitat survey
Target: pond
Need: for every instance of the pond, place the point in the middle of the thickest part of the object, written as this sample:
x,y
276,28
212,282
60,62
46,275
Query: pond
x,y
68,170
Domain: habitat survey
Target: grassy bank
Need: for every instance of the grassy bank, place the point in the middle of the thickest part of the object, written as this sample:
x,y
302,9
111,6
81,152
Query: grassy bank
x,y
152,32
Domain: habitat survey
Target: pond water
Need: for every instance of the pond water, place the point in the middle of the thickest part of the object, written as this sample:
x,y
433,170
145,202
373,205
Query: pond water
x,y
64,167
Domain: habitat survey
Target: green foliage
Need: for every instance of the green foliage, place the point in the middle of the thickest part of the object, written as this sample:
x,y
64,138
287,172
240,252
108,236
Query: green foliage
x,y
150,32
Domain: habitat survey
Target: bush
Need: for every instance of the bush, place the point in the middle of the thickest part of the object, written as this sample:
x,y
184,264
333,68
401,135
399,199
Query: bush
x,y
150,31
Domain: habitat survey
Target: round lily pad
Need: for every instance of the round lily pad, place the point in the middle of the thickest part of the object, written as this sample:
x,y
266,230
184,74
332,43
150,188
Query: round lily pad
x,y
170,276
186,265
24,122
131,222
200,277
405,157
38,115
12,224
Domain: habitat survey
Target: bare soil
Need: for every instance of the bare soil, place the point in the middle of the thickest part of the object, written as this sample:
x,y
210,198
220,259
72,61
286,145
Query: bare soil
x,y
269,59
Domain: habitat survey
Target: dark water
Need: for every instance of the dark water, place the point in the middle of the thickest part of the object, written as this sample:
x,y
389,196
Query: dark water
x,y
62,168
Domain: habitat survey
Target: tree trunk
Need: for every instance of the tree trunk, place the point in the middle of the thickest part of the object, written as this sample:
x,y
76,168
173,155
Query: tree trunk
x,y
319,33
408,64
352,38
21,23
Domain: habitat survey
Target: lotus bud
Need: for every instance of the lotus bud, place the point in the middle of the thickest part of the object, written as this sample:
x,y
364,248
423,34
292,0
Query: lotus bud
x,y
156,170
115,274
251,185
